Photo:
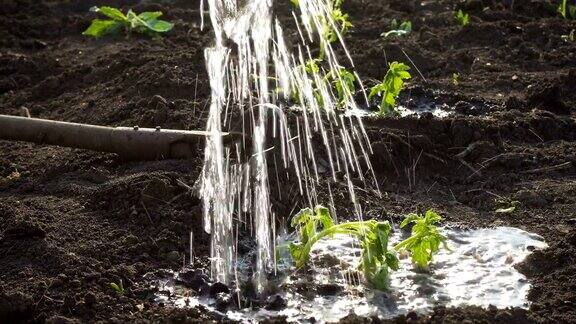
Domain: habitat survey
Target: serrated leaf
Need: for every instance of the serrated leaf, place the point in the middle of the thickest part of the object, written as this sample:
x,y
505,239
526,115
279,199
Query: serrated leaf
x,y
409,219
392,85
425,239
323,214
301,217
373,235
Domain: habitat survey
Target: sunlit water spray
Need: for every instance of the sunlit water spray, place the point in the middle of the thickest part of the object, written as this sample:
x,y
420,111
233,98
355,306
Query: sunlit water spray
x,y
253,76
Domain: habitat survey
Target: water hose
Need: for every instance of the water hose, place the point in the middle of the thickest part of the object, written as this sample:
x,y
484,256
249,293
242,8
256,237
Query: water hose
x,y
133,143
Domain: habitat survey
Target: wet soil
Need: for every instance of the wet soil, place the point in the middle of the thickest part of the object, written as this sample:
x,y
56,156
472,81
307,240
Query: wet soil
x,y
73,221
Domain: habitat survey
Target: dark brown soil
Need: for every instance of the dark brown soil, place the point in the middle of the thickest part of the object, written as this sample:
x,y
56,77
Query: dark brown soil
x,y
73,221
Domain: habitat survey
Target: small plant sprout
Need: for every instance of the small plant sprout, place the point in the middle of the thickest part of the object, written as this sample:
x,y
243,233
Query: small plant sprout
x,y
425,239
343,80
118,288
312,68
391,87
376,259
144,23
455,79
566,11
329,34
398,30
462,18
571,37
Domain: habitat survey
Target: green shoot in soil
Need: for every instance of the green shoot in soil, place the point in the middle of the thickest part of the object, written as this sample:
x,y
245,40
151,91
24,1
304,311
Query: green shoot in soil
x,y
391,87
567,11
455,79
570,37
341,21
373,235
343,80
425,240
145,23
118,288
462,18
398,30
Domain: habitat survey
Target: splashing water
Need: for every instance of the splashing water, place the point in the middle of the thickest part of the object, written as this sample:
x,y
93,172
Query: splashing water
x,y
478,270
249,58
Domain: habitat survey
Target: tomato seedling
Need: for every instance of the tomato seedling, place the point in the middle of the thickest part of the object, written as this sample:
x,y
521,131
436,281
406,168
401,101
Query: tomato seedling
x,y
425,239
391,87
343,80
145,22
462,18
376,259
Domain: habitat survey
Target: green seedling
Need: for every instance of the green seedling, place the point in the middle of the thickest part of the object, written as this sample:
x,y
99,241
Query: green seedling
x,y
398,30
508,206
571,37
425,240
391,87
145,23
329,34
312,68
462,18
118,288
343,80
376,259
566,11
455,79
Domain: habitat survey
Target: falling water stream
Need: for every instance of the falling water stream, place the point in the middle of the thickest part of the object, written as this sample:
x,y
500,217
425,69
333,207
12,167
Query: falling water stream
x,y
252,75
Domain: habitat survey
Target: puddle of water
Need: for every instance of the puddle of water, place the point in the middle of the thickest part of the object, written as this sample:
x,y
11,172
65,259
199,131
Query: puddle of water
x,y
479,270
437,110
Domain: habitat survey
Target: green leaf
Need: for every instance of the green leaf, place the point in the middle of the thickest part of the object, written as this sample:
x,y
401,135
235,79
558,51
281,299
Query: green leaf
x,y
112,13
160,26
376,260
100,27
145,22
425,239
118,288
323,214
409,219
150,15
396,30
462,18
392,260
391,86
562,8
302,217
344,83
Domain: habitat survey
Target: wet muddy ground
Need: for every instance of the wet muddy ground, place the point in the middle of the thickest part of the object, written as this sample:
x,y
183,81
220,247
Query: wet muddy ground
x,y
73,221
